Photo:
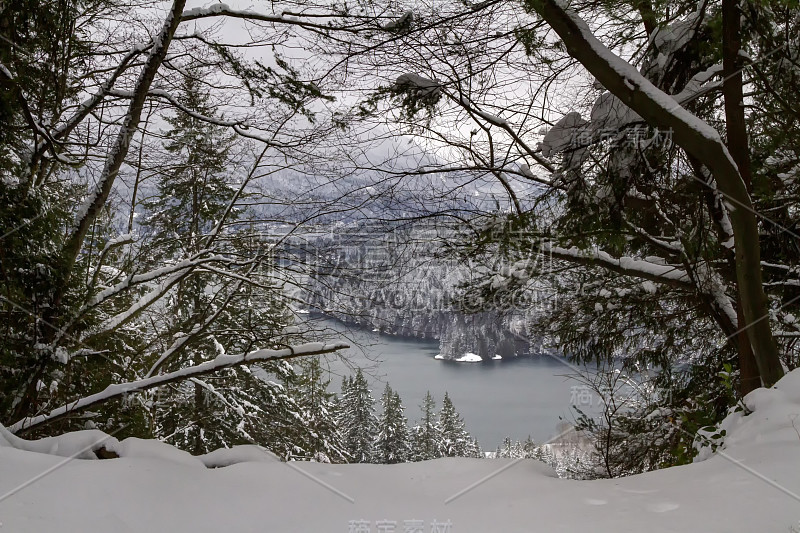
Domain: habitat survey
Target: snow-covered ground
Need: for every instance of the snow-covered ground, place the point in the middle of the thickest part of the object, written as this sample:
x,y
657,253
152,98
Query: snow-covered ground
x,y
752,485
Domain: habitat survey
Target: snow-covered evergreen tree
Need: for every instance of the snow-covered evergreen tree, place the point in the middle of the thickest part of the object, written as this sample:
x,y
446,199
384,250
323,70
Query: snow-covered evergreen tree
x,y
455,441
213,314
510,449
191,193
392,443
527,449
426,434
321,439
357,421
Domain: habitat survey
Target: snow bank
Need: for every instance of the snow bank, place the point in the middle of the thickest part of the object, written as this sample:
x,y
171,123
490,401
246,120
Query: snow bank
x,y
3,440
774,419
84,444
752,484
78,444
238,454
153,449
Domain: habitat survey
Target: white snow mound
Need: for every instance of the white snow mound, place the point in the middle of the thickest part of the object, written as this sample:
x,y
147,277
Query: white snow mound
x,y
133,447
238,454
751,484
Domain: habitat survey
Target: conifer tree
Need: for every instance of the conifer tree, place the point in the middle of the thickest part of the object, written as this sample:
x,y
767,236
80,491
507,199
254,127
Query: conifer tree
x,y
321,439
357,419
509,449
341,401
392,443
426,434
455,440
248,405
193,192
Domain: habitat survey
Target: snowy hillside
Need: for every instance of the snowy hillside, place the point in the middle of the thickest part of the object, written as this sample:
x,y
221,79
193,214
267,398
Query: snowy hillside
x,y
751,485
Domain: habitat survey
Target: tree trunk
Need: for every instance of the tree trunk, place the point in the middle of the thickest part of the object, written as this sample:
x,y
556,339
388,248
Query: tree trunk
x,y
94,203
737,141
697,138
119,150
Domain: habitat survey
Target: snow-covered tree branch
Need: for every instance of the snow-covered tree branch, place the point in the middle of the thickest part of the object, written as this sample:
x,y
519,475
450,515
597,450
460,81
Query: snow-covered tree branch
x,y
697,138
219,363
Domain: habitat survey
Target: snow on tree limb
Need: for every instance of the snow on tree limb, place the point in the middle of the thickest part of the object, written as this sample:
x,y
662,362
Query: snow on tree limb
x,y
223,10
35,125
172,274
152,275
426,86
563,134
627,84
116,156
82,111
180,342
629,266
703,279
219,363
241,127
93,101
472,108
699,140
